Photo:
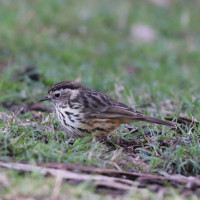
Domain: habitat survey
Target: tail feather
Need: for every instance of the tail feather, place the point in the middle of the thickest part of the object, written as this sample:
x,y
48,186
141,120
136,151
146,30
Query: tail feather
x,y
158,121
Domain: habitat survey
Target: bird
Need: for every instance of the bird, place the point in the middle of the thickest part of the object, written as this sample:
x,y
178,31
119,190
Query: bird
x,y
83,111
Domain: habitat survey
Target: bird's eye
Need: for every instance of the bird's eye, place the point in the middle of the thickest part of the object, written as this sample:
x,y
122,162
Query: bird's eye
x,y
57,95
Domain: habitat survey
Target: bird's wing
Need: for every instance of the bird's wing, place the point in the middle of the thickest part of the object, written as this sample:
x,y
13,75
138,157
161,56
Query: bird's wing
x,y
127,116
112,111
96,105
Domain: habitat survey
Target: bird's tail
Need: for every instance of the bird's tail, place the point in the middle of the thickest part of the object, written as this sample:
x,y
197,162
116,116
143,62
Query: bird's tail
x,y
158,121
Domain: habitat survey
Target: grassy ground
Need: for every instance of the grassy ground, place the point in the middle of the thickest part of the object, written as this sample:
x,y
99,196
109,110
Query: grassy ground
x,y
97,42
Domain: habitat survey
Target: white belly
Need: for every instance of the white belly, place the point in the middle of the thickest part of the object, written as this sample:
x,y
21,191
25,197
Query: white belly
x,y
70,121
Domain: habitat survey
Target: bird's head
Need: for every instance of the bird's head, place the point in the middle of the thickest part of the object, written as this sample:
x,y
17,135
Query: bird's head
x,y
60,92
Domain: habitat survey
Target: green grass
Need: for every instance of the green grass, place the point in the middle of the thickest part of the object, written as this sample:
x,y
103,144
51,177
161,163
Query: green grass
x,y
91,41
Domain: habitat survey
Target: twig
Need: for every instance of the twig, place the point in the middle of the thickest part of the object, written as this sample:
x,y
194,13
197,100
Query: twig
x,y
100,180
177,178
121,180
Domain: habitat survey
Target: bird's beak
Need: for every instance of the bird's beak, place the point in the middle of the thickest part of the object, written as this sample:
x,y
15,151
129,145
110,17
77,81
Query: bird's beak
x,y
44,99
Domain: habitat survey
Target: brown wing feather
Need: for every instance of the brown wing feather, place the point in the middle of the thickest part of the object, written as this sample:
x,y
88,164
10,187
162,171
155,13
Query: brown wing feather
x,y
127,116
107,108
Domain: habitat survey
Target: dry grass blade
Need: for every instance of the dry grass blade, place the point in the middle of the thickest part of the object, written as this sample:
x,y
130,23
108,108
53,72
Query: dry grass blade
x,y
9,117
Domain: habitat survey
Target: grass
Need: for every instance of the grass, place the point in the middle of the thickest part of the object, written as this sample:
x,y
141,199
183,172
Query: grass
x,y
92,41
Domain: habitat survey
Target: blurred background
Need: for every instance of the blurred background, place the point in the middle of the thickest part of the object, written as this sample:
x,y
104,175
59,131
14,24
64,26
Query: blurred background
x,y
137,51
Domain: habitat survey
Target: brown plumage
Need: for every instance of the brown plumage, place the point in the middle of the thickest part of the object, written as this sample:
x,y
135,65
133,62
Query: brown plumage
x,y
83,111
